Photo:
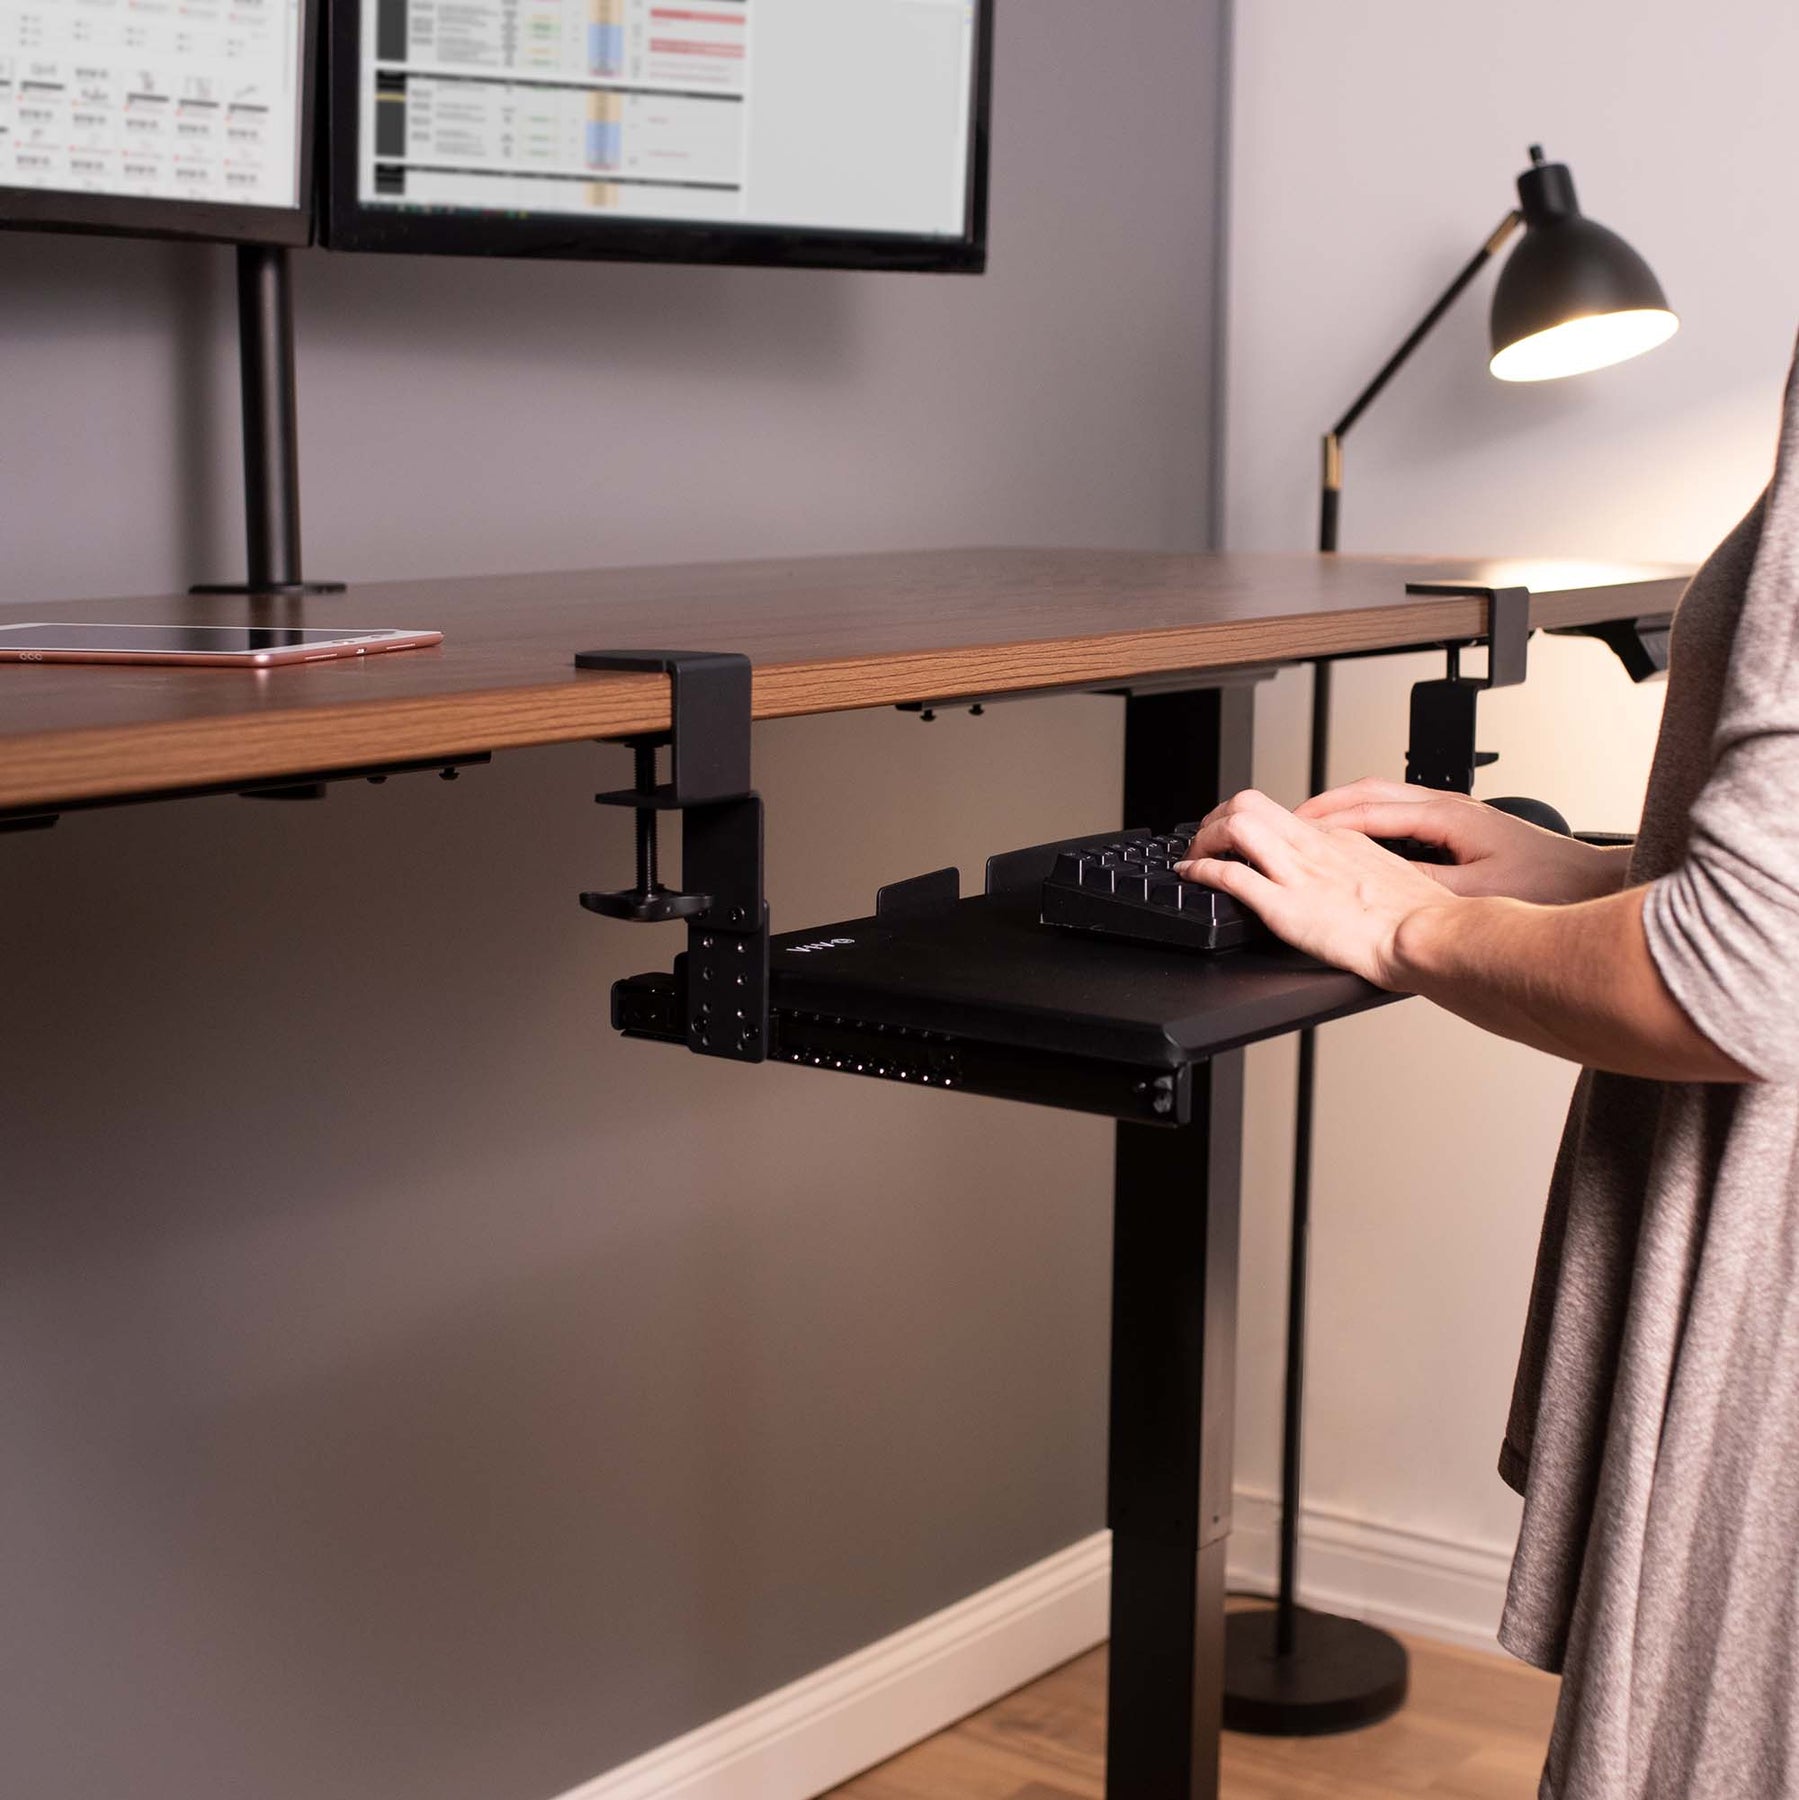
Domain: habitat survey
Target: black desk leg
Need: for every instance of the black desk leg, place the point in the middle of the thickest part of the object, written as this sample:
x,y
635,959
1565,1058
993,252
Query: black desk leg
x,y
1174,1323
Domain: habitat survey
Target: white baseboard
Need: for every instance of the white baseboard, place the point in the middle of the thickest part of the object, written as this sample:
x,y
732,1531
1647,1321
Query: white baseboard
x,y
1407,1580
839,1720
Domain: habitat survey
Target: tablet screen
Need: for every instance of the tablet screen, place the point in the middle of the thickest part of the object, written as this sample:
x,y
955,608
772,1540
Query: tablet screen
x,y
176,640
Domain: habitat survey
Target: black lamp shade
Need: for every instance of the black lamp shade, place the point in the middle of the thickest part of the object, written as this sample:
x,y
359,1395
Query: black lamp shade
x,y
1572,296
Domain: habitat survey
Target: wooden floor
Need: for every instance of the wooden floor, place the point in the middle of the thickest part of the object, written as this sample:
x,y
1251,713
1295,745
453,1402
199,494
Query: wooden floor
x,y
1474,1729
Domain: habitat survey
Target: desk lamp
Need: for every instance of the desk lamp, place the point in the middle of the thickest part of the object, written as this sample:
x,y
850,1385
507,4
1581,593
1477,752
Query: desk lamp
x,y
1571,297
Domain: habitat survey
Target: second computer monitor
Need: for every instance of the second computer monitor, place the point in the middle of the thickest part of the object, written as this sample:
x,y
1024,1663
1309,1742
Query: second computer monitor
x,y
839,132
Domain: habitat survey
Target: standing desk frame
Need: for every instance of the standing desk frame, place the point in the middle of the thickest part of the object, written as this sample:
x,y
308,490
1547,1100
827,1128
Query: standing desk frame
x,y
1176,1204
833,634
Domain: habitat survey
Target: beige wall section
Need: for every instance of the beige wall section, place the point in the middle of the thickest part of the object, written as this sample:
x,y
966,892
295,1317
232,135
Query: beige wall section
x,y
1374,146
406,1388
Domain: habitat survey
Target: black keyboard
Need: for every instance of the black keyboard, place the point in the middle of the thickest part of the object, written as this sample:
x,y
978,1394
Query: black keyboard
x,y
1127,887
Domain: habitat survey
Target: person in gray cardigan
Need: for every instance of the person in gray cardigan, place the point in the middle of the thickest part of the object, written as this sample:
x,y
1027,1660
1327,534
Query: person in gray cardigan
x,y
1654,1430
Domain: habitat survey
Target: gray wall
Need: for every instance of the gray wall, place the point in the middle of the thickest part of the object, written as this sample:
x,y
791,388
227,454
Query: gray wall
x,y
405,1388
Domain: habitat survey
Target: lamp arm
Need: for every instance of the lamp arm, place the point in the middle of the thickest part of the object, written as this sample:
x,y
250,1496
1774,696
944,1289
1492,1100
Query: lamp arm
x,y
1332,486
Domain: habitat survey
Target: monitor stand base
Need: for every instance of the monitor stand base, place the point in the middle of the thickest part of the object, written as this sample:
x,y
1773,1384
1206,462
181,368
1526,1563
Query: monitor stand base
x,y
269,590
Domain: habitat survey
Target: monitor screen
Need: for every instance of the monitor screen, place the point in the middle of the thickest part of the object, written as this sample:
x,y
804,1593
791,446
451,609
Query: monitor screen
x,y
161,117
820,131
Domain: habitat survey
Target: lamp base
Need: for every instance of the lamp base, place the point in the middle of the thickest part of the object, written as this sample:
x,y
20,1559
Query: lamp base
x,y
1340,1675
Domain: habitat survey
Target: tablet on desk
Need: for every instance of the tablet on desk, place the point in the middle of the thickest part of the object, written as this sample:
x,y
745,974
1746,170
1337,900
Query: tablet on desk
x,y
220,646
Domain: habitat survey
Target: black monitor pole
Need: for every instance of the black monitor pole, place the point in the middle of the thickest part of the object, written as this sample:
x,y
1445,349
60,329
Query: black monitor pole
x,y
265,326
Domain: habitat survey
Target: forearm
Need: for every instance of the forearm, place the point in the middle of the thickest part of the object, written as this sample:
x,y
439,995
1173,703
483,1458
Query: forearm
x,y
1611,863
1575,980
1563,973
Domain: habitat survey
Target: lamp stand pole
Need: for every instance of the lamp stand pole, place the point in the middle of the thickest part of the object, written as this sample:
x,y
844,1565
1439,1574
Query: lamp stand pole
x,y
1333,439
1291,1671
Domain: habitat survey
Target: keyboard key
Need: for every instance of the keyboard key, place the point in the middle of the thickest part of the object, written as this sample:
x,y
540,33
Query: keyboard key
x,y
1127,888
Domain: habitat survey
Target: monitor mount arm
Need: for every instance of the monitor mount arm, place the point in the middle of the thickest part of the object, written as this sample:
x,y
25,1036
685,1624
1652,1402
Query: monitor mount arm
x,y
265,329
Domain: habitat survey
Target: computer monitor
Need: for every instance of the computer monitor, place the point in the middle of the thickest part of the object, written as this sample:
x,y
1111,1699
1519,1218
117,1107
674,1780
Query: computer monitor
x,y
841,133
157,118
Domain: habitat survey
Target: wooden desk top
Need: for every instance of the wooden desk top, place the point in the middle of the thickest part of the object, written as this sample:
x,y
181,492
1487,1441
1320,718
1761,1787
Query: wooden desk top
x,y
826,634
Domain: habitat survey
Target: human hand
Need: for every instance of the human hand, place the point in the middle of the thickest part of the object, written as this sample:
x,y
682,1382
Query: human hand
x,y
1494,852
1328,890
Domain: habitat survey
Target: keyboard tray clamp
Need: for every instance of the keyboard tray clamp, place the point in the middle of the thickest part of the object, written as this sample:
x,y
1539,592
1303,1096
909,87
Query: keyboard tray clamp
x,y
1440,750
722,990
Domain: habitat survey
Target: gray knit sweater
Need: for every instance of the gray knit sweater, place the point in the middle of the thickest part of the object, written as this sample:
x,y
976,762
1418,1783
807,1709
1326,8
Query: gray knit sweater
x,y
1655,1425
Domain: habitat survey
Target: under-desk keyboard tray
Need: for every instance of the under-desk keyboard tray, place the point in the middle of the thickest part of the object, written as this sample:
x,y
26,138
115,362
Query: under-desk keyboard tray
x,y
974,994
